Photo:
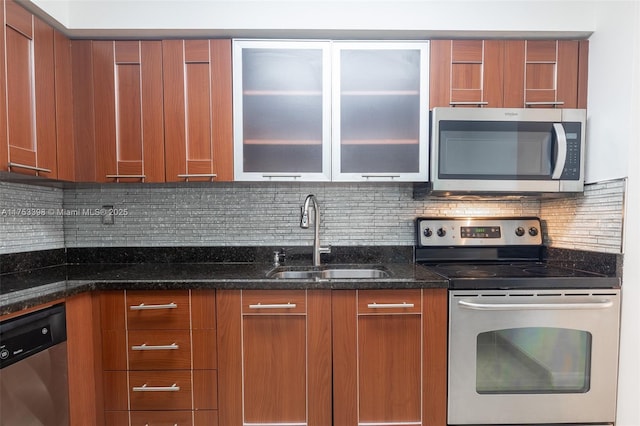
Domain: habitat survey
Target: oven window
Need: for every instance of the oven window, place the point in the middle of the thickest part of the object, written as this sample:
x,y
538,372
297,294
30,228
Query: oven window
x,y
533,360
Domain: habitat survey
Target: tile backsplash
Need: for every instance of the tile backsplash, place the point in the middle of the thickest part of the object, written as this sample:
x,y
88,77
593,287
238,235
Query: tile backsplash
x,y
591,222
260,214
30,218
267,214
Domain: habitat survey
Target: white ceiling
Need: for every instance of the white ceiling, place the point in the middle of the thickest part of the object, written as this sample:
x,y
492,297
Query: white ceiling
x,y
408,19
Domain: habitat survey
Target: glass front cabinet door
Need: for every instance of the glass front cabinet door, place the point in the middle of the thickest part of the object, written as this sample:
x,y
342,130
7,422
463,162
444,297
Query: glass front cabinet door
x,y
380,111
322,110
282,109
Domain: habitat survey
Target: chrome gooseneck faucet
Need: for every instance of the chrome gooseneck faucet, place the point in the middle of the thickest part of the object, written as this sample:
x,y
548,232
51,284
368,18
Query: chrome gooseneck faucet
x,y
304,223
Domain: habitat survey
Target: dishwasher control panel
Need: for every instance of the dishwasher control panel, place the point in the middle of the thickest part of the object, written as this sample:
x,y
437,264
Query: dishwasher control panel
x,y
31,333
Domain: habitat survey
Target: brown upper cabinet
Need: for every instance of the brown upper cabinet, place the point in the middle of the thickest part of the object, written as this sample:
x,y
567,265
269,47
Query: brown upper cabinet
x,y
35,96
129,126
153,111
197,110
509,73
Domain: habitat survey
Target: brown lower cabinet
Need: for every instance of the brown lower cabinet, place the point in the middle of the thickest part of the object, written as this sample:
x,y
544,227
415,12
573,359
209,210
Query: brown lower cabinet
x,y
275,350
389,356
323,357
159,357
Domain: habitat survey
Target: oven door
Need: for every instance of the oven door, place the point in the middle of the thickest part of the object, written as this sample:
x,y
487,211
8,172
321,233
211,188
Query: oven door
x,y
527,356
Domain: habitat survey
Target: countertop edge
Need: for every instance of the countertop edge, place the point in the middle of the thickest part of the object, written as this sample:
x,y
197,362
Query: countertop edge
x,y
24,299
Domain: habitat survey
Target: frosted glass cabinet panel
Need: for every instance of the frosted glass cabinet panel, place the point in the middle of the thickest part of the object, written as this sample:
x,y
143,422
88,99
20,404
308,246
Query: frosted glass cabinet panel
x,y
380,111
330,110
282,110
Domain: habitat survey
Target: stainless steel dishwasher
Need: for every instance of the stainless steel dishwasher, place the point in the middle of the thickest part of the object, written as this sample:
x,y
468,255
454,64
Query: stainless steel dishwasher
x,y
34,389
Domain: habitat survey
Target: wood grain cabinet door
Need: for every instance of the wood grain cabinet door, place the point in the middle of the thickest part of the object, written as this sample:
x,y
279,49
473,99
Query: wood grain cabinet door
x,y
30,93
466,73
385,362
274,354
129,129
4,148
197,108
546,73
509,73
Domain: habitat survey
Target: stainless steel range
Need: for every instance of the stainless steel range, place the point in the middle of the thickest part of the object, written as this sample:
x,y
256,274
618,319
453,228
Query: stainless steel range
x,y
529,343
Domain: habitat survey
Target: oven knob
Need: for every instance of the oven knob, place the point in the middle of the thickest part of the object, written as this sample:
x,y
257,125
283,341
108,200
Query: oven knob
x,y
441,232
427,232
519,231
533,231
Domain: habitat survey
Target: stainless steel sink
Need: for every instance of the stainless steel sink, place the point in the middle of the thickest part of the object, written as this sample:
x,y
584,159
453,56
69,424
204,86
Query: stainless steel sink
x,y
329,273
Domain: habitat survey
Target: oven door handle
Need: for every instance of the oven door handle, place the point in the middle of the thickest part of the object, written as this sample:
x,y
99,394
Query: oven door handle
x,y
600,304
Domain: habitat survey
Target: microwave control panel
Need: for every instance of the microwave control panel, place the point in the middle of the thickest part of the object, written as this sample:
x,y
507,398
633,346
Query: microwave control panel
x,y
571,169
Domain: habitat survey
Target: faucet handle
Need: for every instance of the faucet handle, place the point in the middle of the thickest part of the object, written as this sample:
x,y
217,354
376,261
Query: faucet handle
x,y
304,218
279,257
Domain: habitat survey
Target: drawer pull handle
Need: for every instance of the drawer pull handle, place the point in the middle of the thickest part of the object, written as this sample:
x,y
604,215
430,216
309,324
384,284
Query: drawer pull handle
x,y
144,388
273,306
145,347
375,305
143,307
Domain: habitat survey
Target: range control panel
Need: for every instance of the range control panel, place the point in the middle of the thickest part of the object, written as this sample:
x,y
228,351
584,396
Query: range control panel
x,y
438,232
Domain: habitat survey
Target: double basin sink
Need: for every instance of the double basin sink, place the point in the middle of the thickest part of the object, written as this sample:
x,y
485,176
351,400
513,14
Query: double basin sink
x,y
328,272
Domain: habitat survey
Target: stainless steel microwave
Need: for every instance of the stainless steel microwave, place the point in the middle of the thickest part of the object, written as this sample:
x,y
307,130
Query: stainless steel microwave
x,y
507,150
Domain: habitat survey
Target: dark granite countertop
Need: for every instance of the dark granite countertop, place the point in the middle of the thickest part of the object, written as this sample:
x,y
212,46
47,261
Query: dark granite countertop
x,y
30,288
32,278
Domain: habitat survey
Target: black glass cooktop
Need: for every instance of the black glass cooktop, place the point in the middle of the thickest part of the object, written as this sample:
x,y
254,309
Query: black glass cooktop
x,y
518,275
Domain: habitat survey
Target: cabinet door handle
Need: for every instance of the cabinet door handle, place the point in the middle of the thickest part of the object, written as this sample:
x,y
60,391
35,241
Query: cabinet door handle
x,y
116,177
557,103
379,176
24,166
453,104
375,305
144,388
143,307
273,306
281,176
186,176
145,347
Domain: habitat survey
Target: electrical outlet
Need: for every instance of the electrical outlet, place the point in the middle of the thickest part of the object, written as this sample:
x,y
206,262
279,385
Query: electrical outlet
x,y
108,218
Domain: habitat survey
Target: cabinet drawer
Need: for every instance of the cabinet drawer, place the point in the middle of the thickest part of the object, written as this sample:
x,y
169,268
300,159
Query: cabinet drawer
x,y
159,350
271,302
157,310
380,302
160,390
161,418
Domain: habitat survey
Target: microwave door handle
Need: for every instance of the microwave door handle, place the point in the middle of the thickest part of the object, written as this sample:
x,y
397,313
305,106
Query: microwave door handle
x,y
561,137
